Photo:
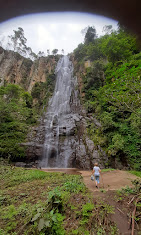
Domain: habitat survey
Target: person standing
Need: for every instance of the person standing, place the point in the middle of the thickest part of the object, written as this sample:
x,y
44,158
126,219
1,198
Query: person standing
x,y
96,171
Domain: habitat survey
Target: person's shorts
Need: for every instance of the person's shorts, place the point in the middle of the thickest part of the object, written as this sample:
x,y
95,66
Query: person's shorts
x,y
97,178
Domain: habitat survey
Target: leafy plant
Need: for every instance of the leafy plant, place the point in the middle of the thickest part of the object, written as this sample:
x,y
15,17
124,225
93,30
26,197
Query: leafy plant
x,y
86,213
74,186
132,190
49,218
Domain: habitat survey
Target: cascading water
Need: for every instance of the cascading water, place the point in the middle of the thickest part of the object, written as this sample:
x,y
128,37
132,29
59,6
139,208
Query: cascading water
x,y
61,117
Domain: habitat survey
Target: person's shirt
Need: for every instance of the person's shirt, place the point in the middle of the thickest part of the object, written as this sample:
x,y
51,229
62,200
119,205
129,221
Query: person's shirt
x,y
96,170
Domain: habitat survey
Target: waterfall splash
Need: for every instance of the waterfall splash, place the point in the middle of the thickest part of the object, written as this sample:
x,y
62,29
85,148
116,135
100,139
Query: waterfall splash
x,y
61,117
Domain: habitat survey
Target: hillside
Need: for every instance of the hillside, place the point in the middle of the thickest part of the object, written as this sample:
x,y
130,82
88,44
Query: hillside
x,y
109,74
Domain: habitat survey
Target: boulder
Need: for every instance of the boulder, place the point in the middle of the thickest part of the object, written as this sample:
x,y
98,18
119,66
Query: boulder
x,y
20,164
90,144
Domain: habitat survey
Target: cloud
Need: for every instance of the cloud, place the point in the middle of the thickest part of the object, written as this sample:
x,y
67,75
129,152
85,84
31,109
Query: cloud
x,y
55,30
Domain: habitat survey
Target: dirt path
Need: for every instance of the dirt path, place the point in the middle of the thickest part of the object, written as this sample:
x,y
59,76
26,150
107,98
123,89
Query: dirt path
x,y
111,180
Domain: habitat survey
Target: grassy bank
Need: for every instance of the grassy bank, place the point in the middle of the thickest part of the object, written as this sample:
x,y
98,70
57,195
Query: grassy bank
x,y
137,173
36,202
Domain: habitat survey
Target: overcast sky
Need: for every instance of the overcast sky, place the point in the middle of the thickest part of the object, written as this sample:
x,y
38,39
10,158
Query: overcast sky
x,y
55,30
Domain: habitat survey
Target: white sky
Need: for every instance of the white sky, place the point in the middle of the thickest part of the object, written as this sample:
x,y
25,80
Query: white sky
x,y
55,30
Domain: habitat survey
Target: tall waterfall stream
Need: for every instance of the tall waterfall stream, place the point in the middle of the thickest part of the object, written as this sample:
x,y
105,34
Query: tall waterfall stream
x,y
61,117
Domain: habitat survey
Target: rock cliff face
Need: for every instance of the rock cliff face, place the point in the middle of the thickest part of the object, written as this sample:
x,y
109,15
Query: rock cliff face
x,y
16,69
65,137
81,150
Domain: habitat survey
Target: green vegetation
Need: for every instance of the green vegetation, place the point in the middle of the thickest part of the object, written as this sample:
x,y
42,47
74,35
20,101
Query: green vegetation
x,y
137,173
36,202
112,88
55,51
132,190
16,116
108,169
42,91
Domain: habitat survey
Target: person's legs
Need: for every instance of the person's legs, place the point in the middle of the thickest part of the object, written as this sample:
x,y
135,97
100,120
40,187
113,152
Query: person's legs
x,y
97,181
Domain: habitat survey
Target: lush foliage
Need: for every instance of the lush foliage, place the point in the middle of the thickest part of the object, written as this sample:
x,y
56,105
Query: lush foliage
x,y
16,116
112,87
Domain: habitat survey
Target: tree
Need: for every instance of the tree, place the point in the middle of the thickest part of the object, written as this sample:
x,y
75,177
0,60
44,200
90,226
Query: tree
x,y
119,46
62,51
18,42
33,56
41,54
108,29
80,52
55,51
90,34
48,51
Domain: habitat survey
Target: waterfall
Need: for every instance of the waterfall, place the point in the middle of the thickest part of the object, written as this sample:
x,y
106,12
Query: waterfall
x,y
60,118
